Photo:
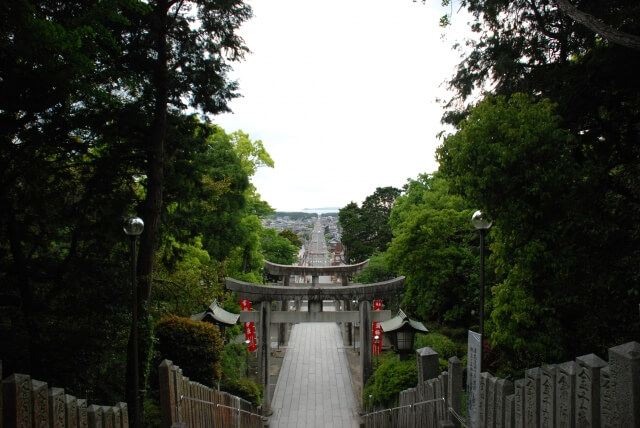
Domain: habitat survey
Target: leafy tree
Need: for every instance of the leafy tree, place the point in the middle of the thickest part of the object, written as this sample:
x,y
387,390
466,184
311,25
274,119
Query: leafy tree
x,y
178,53
597,26
512,159
433,247
583,251
206,186
292,237
376,209
376,271
366,229
246,260
64,186
277,248
352,225
89,114
191,283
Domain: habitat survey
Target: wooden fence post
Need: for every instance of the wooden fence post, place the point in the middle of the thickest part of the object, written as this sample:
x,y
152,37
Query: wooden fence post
x,y
455,388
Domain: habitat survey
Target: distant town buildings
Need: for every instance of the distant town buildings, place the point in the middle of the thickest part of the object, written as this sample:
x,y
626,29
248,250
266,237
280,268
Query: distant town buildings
x,y
302,225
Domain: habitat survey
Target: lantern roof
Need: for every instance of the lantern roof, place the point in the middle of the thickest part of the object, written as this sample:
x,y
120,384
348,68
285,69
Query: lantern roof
x,y
216,315
402,322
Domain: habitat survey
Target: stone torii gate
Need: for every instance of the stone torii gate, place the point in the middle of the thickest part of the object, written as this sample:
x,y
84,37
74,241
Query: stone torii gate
x,y
314,293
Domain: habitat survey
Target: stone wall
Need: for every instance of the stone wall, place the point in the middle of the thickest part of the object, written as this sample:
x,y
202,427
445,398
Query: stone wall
x,y
27,403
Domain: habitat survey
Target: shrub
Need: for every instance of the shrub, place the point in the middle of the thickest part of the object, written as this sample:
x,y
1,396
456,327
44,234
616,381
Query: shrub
x,y
234,371
195,346
439,343
243,388
391,377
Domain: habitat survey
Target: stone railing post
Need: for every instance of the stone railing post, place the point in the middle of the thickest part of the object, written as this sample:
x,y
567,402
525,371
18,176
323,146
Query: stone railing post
x,y
428,367
56,407
95,416
565,393
40,393
588,390
504,388
83,421
548,395
624,369
532,397
17,406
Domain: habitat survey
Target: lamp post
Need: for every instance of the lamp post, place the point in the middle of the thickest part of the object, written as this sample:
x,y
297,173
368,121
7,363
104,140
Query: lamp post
x,y
480,222
133,227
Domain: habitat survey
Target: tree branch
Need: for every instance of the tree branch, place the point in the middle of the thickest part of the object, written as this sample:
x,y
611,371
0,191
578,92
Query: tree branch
x,y
621,38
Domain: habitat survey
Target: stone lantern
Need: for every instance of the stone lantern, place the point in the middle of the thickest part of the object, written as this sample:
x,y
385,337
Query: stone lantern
x,y
402,330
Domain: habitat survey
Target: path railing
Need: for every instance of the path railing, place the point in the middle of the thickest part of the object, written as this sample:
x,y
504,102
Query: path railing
x,y
26,402
190,404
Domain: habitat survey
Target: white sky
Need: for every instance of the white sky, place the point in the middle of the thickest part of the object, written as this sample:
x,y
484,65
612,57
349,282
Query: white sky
x,y
342,94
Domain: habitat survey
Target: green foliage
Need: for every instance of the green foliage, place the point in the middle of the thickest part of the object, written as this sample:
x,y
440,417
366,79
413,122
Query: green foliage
x,y
246,260
530,208
376,271
433,246
190,283
391,377
195,346
234,370
502,152
292,237
366,229
205,191
554,254
444,346
277,248
440,343
244,388
92,132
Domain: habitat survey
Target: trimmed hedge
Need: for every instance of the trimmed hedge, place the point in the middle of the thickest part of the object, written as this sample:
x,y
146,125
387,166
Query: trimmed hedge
x,y
195,346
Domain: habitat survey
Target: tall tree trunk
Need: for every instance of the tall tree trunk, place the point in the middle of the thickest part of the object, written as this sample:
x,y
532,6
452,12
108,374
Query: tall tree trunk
x,y
152,209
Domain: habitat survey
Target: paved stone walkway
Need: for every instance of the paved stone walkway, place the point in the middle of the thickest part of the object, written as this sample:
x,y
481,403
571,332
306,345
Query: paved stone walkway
x,y
314,387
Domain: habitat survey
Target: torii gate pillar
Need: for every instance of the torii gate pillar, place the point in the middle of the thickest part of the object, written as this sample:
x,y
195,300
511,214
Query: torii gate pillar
x,y
264,353
365,341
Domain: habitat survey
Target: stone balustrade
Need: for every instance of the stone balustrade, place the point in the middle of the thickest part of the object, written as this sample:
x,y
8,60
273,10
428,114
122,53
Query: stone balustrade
x,y
26,403
587,392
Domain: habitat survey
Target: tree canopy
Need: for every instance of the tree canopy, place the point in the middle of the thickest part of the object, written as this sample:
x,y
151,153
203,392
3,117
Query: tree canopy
x,y
365,229
550,153
94,128
433,247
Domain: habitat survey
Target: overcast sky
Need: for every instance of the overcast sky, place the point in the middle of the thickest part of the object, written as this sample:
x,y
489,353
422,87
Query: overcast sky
x,y
343,95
